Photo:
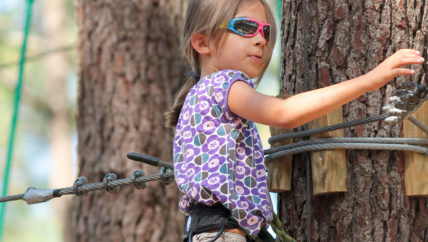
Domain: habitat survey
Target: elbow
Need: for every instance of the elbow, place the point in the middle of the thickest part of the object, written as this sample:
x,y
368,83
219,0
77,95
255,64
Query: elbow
x,y
289,124
286,121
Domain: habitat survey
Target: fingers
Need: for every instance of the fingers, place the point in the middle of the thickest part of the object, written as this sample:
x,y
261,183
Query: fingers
x,y
406,57
408,60
403,71
408,51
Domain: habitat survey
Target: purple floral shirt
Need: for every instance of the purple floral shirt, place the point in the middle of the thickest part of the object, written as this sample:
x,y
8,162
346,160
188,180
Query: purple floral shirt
x,y
218,156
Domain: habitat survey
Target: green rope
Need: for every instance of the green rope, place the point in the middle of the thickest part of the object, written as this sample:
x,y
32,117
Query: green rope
x,y
279,230
15,113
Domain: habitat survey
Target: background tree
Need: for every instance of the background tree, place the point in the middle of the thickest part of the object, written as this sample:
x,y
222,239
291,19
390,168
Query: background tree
x,y
347,39
130,65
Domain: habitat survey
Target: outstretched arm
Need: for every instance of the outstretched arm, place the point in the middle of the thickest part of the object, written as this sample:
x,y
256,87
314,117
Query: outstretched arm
x,y
304,107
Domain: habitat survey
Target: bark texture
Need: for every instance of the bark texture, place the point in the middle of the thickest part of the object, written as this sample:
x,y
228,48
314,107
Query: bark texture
x,y
130,67
347,39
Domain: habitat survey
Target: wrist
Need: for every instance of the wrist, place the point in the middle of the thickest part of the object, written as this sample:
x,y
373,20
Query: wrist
x,y
370,82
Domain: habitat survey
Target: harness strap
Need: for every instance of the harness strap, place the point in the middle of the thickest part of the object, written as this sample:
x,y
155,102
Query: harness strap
x,y
203,218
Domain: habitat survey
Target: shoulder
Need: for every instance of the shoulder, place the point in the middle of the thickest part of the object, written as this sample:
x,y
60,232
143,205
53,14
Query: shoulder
x,y
225,78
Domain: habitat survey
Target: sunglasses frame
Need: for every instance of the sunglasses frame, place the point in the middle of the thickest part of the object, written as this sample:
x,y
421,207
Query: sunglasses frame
x,y
260,27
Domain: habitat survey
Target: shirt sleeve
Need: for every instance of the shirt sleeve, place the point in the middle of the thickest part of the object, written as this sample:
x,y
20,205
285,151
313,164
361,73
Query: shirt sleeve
x,y
223,83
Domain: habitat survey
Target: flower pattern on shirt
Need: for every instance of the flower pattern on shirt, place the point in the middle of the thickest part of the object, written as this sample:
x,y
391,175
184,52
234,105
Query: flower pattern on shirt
x,y
218,156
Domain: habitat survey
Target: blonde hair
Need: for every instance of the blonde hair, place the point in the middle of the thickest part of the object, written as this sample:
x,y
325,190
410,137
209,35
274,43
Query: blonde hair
x,y
205,16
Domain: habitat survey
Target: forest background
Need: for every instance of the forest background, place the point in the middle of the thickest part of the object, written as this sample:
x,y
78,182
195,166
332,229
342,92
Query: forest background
x,y
45,146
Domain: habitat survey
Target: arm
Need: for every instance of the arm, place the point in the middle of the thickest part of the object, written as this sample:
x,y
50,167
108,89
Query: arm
x,y
304,107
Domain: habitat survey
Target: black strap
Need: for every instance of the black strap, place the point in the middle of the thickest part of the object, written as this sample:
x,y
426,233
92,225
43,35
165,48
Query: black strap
x,y
204,218
265,236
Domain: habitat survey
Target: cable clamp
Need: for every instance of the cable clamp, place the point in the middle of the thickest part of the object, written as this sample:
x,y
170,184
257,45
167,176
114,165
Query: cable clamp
x,y
36,195
164,176
80,181
405,101
138,184
108,178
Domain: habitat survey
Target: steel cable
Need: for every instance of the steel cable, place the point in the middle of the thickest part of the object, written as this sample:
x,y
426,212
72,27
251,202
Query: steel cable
x,y
409,141
418,123
357,146
310,132
34,195
116,183
11,198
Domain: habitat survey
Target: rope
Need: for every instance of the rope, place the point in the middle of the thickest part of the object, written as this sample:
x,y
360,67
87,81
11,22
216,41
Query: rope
x,y
15,112
310,132
11,198
36,195
356,146
409,141
278,228
118,183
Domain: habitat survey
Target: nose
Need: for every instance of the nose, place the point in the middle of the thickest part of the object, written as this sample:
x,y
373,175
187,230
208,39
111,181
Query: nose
x,y
259,40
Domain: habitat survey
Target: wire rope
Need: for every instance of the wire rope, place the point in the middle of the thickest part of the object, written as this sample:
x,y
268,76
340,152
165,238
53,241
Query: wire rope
x,y
355,146
310,132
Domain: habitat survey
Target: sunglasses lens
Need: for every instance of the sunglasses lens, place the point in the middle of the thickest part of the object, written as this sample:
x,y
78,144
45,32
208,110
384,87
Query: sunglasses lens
x,y
246,27
266,31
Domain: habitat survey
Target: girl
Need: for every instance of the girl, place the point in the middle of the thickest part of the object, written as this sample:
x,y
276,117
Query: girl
x,y
218,157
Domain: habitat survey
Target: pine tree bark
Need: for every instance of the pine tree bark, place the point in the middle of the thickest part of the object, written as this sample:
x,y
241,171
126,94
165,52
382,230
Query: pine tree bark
x,y
347,39
130,67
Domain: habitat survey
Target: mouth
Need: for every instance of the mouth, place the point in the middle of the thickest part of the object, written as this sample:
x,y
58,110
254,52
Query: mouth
x,y
256,58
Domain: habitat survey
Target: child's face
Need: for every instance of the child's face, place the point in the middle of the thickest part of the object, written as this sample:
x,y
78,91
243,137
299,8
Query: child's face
x,y
238,52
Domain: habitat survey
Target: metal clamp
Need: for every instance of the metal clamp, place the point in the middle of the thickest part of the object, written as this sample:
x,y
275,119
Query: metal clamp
x,y
405,101
164,177
80,181
36,195
108,178
138,184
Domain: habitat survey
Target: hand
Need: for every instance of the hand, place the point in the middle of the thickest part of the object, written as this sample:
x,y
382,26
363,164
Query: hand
x,y
392,67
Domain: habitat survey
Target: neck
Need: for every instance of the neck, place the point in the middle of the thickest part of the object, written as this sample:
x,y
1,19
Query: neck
x,y
206,66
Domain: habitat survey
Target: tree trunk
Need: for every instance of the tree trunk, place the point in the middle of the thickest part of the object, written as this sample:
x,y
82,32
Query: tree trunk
x,y
130,66
347,39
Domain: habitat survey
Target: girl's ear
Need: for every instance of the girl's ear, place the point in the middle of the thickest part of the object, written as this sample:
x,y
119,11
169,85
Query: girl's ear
x,y
200,43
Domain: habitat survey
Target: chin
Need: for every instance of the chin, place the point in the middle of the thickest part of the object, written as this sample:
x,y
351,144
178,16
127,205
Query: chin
x,y
252,75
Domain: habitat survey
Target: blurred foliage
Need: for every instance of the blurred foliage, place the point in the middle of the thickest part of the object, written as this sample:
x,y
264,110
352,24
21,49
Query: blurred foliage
x,y
31,163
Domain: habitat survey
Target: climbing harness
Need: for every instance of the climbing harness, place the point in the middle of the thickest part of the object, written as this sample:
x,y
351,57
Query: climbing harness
x,y
203,218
